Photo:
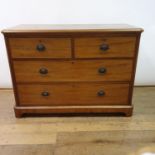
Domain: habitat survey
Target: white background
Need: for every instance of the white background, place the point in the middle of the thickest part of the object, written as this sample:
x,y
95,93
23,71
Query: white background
x,y
136,12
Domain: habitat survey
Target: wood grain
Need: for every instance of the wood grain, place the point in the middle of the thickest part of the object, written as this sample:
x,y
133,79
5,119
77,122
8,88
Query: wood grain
x,y
75,70
73,94
114,142
79,135
72,56
118,47
27,149
125,110
54,47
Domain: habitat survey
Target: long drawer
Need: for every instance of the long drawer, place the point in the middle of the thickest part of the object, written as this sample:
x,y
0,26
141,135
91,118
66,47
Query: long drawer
x,y
40,47
73,94
105,47
75,70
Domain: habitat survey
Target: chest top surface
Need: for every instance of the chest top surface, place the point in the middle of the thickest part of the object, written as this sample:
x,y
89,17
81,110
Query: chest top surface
x,y
73,28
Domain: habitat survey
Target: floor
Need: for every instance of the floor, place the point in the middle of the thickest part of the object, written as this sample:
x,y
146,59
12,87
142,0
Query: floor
x,y
79,135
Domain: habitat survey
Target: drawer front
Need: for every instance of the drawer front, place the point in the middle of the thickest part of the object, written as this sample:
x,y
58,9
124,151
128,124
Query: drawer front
x,y
40,47
73,94
78,70
105,47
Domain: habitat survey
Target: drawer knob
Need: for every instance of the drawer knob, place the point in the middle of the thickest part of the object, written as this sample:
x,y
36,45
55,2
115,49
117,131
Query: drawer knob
x,y
104,47
45,93
43,71
102,70
101,93
40,47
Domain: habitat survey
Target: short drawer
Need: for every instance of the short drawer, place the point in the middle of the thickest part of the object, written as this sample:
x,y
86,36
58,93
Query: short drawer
x,y
40,47
77,70
106,47
73,94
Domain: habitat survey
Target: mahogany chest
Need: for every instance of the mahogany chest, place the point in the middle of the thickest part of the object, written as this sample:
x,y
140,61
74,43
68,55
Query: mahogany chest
x,y
72,68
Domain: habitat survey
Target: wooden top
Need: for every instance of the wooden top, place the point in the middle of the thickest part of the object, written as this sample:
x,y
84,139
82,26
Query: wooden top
x,y
73,28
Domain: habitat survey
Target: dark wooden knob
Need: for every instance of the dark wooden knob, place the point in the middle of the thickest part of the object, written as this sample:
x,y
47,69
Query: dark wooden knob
x,y
102,70
40,47
101,93
43,71
104,47
45,93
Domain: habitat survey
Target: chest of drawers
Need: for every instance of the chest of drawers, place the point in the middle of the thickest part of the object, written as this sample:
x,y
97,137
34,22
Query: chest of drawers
x,y
72,68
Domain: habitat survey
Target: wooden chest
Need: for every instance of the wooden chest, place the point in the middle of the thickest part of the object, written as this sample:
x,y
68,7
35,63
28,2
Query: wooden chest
x,y
73,68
